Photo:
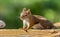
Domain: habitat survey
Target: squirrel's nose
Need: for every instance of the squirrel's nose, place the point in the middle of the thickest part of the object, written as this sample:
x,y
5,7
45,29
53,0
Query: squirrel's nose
x,y
21,16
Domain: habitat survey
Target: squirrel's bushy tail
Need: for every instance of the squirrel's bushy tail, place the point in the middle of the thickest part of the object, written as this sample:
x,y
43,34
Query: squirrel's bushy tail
x,y
57,25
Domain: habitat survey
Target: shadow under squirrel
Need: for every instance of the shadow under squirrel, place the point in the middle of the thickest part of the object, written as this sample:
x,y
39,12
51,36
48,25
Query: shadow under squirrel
x,y
34,21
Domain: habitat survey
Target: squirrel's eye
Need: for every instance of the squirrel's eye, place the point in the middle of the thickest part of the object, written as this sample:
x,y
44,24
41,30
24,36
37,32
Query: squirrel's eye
x,y
25,14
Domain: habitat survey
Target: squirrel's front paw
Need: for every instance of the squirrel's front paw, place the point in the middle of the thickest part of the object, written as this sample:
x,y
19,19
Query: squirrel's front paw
x,y
24,29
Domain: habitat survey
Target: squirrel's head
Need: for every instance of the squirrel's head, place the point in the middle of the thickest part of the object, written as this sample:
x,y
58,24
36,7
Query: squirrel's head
x,y
25,14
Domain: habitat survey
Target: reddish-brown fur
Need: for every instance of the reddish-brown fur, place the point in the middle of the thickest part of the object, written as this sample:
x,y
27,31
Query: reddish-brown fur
x,y
35,21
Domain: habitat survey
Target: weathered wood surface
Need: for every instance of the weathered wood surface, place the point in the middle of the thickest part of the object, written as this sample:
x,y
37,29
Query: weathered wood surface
x,y
30,33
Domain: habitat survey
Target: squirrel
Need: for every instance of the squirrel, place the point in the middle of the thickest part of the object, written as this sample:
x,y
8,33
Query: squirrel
x,y
34,21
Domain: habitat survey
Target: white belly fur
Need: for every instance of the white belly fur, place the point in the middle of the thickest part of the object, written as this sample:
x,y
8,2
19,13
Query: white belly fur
x,y
26,23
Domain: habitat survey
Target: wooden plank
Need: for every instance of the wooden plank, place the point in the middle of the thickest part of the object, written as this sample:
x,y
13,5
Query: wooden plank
x,y
30,33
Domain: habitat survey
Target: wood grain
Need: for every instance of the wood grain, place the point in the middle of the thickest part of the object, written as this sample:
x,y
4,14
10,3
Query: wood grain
x,y
30,33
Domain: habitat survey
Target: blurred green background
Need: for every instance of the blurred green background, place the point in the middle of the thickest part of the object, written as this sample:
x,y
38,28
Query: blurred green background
x,y
11,9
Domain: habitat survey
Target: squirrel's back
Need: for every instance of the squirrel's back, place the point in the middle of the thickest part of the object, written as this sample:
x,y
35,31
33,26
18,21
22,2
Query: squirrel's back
x,y
42,22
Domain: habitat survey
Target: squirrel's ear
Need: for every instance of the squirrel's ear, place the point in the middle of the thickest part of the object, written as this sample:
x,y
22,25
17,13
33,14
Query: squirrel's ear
x,y
28,10
24,9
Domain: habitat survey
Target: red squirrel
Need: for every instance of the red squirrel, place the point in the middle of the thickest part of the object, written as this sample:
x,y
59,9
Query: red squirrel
x,y
34,21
